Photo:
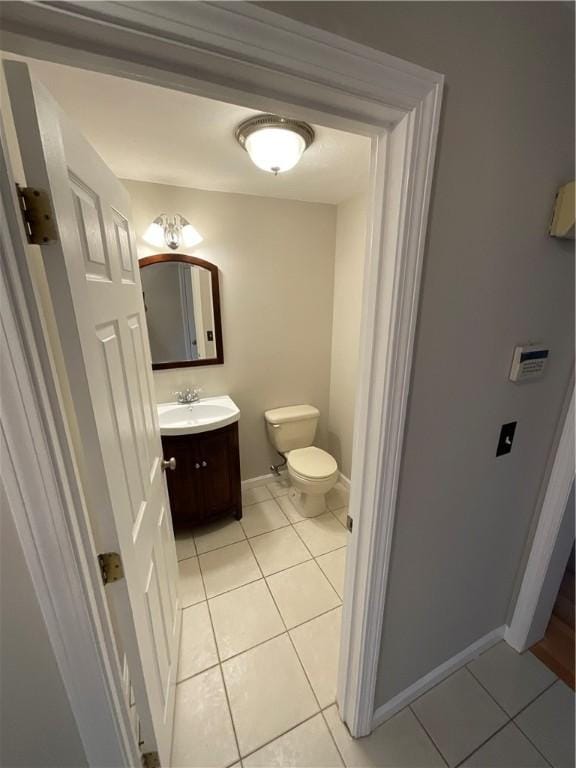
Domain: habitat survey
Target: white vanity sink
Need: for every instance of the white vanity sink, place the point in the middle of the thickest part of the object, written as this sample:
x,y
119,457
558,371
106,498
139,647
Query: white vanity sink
x,y
202,416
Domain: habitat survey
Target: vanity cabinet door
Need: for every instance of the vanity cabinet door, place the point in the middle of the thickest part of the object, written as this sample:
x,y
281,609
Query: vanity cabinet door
x,y
184,483
206,482
219,459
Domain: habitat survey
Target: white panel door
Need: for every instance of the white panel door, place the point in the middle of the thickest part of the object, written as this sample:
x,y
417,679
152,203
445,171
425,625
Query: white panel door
x,y
95,287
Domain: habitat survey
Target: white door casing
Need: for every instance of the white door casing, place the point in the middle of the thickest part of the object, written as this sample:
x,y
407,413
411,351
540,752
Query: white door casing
x,y
550,547
94,281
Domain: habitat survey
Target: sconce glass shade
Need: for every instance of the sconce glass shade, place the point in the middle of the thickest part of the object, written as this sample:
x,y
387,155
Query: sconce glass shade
x,y
154,235
275,144
172,231
190,236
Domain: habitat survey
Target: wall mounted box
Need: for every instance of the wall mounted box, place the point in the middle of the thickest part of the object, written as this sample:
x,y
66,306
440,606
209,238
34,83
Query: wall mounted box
x,y
206,482
564,214
529,363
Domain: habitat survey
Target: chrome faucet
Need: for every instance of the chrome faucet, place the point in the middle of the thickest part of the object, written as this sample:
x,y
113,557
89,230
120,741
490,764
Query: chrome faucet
x,y
187,396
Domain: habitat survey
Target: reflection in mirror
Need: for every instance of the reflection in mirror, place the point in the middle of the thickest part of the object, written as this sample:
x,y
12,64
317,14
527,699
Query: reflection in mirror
x,y
181,299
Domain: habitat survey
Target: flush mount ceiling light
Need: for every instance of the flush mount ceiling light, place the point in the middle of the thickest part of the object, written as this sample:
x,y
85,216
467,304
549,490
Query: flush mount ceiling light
x,y
275,144
173,231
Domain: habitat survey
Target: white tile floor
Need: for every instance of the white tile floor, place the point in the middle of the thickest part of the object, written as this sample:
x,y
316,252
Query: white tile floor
x,y
259,655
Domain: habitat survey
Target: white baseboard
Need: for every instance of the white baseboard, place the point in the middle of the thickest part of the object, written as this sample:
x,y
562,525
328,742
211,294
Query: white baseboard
x,y
416,690
253,482
345,482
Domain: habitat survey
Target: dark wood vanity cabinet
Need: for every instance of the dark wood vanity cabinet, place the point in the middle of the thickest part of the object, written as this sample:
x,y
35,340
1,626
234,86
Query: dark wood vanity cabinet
x,y
206,482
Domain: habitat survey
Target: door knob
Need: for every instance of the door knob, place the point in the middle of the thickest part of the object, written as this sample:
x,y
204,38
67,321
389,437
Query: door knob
x,y
169,464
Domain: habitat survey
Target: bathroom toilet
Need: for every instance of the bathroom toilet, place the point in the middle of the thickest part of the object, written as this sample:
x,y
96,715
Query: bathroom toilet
x,y
312,471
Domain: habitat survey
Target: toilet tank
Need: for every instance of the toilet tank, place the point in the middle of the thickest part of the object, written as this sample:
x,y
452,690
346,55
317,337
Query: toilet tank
x,y
292,427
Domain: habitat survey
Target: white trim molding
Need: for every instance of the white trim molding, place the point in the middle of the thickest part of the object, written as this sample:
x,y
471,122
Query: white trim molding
x,y
521,633
344,481
436,676
255,482
241,53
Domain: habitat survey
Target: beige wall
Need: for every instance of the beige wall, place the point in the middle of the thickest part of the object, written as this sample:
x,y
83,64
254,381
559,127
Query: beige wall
x,y
37,727
347,308
492,278
276,262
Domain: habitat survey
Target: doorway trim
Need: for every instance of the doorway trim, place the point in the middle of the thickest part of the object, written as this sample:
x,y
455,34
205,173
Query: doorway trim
x,y
241,53
524,630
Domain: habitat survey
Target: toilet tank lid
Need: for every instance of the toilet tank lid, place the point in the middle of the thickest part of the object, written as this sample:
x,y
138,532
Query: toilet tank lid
x,y
291,413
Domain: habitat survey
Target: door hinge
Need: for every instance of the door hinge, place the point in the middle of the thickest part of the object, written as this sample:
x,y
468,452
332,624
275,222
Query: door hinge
x,y
151,760
349,522
110,567
37,214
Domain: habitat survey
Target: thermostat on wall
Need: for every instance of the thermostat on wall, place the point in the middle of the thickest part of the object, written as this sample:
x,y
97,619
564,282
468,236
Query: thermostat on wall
x,y
528,363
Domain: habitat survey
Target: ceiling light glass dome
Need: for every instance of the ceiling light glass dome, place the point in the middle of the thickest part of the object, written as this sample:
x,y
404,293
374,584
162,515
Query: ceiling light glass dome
x,y
275,144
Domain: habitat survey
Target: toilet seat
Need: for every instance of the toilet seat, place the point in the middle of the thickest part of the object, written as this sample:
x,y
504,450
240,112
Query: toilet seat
x,y
312,463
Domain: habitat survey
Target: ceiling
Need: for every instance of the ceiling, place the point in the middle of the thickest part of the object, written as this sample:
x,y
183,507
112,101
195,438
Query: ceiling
x,y
148,133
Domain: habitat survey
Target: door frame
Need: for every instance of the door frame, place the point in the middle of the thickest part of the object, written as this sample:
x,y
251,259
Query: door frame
x,y
244,54
536,597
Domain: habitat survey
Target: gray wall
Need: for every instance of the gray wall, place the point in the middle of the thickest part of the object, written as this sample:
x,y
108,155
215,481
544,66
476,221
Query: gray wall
x,y
37,727
492,279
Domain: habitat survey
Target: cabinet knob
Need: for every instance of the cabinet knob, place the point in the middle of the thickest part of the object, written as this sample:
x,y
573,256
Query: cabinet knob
x,y
169,464
204,464
196,466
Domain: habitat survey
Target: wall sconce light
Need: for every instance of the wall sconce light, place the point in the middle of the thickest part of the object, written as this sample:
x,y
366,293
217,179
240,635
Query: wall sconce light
x,y
173,231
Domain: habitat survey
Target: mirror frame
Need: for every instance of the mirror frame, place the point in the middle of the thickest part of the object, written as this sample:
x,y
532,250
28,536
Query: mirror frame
x,y
213,269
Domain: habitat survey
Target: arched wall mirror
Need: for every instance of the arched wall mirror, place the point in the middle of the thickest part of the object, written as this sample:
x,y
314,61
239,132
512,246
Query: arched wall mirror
x,y
182,301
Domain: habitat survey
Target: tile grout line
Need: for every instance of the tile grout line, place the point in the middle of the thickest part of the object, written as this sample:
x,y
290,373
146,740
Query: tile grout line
x,y
436,747
273,573
264,533
509,718
253,581
293,728
445,679
222,677
261,642
481,684
287,631
220,669
467,668
532,701
512,718
284,733
483,744
340,755
293,647
496,732
433,687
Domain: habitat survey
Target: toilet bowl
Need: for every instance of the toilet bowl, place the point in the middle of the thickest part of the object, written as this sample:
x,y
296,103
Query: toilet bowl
x,y
312,471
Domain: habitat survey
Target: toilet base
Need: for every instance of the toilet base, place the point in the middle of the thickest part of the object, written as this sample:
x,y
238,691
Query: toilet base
x,y
309,505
